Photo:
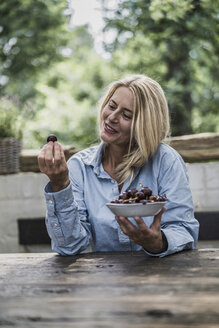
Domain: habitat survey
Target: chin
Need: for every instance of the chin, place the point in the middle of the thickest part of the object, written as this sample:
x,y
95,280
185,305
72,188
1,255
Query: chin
x,y
105,138
107,141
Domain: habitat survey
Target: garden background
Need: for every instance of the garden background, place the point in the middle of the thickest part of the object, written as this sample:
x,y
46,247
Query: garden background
x,y
52,77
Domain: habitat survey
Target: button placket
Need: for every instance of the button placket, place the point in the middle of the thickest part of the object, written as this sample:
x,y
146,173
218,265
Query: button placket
x,y
51,209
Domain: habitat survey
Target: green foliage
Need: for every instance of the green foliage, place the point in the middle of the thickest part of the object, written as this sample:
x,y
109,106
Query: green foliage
x,y
32,35
41,60
175,42
12,116
71,91
56,68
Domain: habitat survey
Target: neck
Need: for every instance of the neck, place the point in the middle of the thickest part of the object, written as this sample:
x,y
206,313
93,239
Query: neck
x,y
113,156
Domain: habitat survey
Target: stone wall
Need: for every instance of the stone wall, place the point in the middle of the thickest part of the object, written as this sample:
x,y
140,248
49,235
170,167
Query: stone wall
x,y
204,183
21,196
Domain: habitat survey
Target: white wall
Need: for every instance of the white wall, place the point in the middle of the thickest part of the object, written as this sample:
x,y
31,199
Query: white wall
x,y
21,196
204,183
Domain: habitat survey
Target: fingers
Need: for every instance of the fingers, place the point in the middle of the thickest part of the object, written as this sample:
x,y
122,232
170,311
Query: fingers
x,y
129,228
62,154
135,233
149,238
126,226
57,154
41,160
43,156
157,219
140,222
51,157
49,154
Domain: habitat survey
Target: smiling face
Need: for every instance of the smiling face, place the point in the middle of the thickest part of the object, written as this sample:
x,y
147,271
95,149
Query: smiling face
x,y
117,118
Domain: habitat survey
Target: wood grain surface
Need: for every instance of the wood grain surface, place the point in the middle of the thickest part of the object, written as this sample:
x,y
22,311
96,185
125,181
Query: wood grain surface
x,y
201,147
96,290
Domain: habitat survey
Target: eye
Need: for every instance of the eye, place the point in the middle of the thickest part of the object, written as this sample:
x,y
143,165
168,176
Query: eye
x,y
111,106
127,116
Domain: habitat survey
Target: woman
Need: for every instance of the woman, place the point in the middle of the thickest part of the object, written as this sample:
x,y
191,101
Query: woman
x,y
133,122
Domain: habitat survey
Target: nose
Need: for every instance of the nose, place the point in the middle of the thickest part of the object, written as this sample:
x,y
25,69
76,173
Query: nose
x,y
114,117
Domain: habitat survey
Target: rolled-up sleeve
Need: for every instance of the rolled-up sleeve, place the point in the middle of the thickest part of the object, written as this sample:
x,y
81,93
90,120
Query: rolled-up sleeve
x,y
69,232
178,223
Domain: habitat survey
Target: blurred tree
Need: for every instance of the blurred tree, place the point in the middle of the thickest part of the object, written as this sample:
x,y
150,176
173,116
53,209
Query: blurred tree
x,y
176,42
71,89
33,35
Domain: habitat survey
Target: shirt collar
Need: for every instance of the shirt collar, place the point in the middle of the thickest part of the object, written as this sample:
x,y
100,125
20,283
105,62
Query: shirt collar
x,y
94,158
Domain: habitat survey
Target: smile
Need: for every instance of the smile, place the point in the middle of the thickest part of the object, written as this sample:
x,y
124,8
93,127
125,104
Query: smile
x,y
108,129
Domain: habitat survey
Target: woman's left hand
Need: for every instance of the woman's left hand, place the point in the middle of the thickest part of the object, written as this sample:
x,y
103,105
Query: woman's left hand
x,y
150,238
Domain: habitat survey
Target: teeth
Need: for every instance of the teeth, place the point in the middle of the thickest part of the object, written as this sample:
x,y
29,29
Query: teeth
x,y
109,128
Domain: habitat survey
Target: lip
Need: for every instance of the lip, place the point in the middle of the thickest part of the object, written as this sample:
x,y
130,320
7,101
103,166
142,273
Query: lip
x,y
109,129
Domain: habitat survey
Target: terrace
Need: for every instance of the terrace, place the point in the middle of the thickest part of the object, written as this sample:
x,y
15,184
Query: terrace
x,y
130,289
22,205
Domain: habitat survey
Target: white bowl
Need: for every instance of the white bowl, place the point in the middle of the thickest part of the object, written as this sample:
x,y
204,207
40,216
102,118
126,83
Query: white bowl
x,y
131,210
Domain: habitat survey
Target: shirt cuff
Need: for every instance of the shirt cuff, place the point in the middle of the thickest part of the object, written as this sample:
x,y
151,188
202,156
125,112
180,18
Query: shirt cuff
x,y
61,199
164,253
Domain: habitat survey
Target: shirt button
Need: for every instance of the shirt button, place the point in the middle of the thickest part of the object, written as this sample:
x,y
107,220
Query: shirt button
x,y
56,225
50,201
112,181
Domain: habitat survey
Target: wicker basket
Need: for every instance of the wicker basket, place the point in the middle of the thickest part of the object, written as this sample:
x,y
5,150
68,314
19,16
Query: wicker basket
x,y
10,149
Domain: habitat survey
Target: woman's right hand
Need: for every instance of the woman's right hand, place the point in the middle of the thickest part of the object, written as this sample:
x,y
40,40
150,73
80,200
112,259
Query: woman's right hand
x,y
52,162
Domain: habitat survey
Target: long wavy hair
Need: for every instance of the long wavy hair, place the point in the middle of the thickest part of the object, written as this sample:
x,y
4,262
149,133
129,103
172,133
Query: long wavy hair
x,y
150,123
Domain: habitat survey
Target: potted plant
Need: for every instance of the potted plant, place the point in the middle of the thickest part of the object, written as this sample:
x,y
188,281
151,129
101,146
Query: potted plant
x,y
10,136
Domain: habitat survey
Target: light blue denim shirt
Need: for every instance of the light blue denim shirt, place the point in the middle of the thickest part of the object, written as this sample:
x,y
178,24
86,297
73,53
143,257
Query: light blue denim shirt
x,y
77,216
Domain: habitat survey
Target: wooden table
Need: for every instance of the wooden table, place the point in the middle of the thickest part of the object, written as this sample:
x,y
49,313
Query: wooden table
x,y
98,290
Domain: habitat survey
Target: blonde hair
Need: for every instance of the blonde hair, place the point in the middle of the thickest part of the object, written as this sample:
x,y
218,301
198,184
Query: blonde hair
x,y
150,124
